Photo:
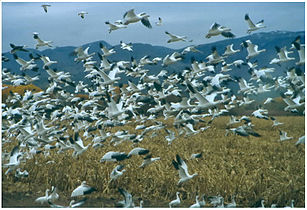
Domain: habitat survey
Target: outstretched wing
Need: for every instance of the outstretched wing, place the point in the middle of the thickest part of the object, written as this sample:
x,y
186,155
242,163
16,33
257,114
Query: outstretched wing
x,y
129,14
146,22
249,22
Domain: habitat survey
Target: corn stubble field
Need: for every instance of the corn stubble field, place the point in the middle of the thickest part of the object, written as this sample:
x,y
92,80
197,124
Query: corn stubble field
x,y
250,168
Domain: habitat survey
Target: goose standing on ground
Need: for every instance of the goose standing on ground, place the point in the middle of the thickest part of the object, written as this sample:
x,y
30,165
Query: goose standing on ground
x,y
182,167
82,14
291,205
83,189
196,204
43,199
45,6
252,26
115,26
216,29
175,202
175,38
41,43
131,17
53,195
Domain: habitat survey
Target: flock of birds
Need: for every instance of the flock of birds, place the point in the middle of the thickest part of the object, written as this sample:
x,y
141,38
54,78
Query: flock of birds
x,y
32,118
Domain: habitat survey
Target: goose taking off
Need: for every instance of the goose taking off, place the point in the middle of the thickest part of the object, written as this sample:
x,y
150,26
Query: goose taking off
x,y
117,172
83,189
148,160
252,26
283,136
175,38
45,6
216,29
182,167
43,199
131,17
14,160
82,14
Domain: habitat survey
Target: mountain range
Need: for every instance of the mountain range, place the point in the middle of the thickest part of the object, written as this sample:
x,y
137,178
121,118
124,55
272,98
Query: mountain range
x,y
63,55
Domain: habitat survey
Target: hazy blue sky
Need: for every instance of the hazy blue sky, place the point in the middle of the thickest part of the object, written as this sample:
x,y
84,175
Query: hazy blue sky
x,y
64,27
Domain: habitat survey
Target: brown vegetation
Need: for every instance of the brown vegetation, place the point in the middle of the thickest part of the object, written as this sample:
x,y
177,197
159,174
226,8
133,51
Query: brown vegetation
x,y
251,168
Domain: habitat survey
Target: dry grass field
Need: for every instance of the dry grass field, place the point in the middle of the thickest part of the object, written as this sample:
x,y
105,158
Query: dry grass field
x,y
250,168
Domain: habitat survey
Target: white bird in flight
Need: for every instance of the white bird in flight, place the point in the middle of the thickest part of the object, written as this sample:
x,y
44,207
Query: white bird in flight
x,y
131,17
252,26
82,14
45,6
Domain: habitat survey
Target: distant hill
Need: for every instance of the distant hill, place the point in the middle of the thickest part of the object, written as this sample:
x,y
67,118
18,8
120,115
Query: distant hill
x,y
66,60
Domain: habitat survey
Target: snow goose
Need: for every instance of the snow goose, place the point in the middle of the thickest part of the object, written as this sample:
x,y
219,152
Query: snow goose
x,y
182,167
190,49
232,204
117,172
202,202
125,46
230,51
252,26
214,58
275,122
175,202
175,38
82,55
115,26
252,49
292,103
262,204
292,204
72,204
282,56
138,151
24,65
170,59
196,204
159,23
105,50
83,189
45,6
82,14
21,174
16,48
196,155
131,17
114,156
53,195
215,200
128,201
41,43
14,161
43,199
47,61
148,160
216,29
283,136
77,145
301,52
170,137
300,140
